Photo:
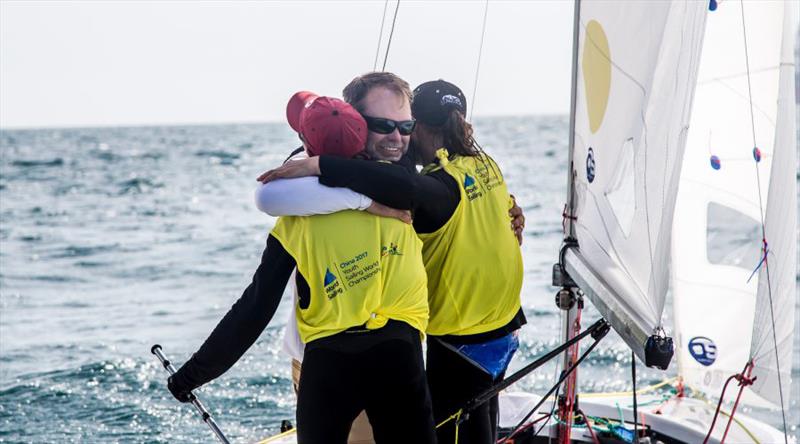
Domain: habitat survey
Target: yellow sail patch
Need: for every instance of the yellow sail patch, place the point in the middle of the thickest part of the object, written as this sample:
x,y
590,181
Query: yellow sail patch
x,y
596,67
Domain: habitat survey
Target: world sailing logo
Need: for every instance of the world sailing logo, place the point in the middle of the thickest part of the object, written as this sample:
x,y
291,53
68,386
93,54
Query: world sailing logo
x,y
329,277
471,188
332,287
590,165
703,350
468,181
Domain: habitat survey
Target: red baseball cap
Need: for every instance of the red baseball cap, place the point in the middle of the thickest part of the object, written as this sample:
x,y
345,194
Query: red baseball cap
x,y
328,125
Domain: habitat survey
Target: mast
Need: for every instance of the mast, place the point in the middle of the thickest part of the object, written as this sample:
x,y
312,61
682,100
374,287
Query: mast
x,y
568,298
570,231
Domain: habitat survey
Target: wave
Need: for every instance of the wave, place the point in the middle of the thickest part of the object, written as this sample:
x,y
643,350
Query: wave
x,y
38,163
83,251
138,185
218,154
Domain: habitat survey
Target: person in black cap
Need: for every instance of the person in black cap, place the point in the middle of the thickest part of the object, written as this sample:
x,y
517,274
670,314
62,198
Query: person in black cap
x,y
474,266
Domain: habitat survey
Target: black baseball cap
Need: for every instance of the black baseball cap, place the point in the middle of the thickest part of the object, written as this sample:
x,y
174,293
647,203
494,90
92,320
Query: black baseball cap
x,y
432,102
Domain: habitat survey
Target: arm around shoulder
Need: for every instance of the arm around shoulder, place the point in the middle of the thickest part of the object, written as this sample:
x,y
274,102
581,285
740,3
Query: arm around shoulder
x,y
305,196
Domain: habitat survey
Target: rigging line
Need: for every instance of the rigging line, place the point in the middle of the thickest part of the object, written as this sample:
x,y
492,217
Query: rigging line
x,y
380,36
391,34
635,406
564,375
478,66
763,230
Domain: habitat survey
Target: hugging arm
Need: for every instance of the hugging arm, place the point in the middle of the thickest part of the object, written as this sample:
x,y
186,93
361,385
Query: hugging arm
x,y
387,183
304,196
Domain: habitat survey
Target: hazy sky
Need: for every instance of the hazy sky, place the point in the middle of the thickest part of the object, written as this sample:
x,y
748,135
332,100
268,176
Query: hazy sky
x,y
70,63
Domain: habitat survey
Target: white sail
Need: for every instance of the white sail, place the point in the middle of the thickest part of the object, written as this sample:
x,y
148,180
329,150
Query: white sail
x,y
637,67
717,226
776,292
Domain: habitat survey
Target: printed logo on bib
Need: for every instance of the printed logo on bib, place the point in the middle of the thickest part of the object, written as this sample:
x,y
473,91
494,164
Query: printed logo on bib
x,y
703,350
391,250
331,284
353,271
487,179
471,188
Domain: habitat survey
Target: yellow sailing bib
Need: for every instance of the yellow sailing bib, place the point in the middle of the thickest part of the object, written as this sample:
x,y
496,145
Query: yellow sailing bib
x,y
361,269
474,263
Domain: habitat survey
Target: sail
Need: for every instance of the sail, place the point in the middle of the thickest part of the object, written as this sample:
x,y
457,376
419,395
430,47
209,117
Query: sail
x,y
771,347
717,226
636,71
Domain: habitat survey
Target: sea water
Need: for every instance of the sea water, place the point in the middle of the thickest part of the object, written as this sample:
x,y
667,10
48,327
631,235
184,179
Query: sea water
x,y
114,239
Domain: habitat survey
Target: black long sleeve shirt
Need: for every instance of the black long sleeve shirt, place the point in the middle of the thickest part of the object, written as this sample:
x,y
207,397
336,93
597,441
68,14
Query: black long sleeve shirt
x,y
432,197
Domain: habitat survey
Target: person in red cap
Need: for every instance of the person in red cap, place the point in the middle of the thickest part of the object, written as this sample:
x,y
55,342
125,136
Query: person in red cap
x,y
361,306
326,125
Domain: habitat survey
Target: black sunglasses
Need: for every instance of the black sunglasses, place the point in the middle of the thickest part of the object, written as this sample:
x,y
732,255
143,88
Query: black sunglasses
x,y
387,126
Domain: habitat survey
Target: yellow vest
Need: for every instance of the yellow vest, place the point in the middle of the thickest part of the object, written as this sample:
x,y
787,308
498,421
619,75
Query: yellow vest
x,y
361,269
474,263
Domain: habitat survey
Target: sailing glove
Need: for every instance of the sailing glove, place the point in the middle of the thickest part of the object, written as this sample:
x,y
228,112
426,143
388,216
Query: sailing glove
x,y
182,392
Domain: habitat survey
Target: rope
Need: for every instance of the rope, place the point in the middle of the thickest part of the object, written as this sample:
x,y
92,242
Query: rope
x,y
763,231
743,382
391,34
563,377
565,411
589,426
454,417
649,388
528,425
478,66
719,406
549,416
740,424
380,36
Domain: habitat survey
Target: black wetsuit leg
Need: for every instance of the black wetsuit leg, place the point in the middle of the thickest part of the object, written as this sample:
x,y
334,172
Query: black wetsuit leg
x,y
398,401
380,371
328,398
453,381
